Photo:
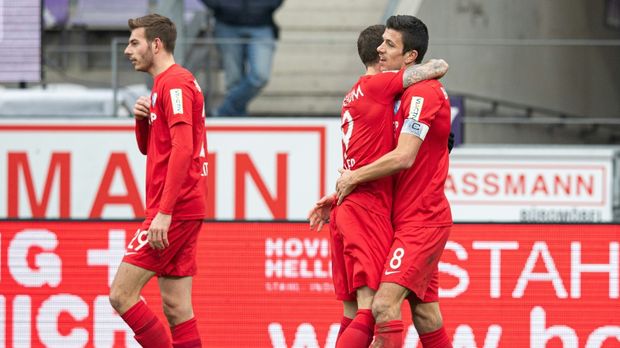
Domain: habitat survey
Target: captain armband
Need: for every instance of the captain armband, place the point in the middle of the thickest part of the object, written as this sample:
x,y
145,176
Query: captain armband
x,y
416,128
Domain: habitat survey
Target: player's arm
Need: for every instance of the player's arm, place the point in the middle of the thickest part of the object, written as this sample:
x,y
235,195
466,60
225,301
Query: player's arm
x,y
433,69
401,158
178,167
141,111
178,103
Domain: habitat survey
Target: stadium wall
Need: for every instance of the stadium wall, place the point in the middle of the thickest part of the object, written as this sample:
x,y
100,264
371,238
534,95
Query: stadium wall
x,y
265,169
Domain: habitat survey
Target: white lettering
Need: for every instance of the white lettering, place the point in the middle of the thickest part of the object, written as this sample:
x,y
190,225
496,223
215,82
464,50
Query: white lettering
x,y
598,337
496,261
22,326
540,335
273,247
577,268
464,337
527,275
110,257
455,271
48,264
47,321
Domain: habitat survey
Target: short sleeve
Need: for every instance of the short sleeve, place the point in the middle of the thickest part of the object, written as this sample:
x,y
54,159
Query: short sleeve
x,y
385,86
178,100
420,104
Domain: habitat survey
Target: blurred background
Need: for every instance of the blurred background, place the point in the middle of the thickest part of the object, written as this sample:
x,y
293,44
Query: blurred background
x,y
534,181
526,72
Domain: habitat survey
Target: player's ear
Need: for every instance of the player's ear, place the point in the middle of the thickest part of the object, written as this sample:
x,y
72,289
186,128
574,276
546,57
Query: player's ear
x,y
411,56
157,44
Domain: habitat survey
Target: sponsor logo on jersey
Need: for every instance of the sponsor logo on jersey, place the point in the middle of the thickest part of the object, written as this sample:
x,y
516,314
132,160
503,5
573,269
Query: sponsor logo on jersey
x,y
176,98
391,272
153,99
152,118
415,109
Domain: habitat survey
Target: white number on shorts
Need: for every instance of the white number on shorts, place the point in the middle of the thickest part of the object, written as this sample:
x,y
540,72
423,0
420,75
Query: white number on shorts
x,y
141,237
397,259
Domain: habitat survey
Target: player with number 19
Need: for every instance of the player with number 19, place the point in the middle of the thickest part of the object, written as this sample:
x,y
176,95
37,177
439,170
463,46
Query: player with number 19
x,y
170,131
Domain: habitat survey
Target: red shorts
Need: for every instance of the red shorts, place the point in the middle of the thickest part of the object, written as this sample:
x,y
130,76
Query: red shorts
x,y
177,260
413,259
360,242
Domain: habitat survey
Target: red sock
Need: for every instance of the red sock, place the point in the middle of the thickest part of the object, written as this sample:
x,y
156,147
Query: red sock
x,y
389,334
150,332
359,332
185,335
344,323
436,339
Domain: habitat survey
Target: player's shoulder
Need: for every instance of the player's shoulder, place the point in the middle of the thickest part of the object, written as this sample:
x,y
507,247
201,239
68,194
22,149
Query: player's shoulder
x,y
428,88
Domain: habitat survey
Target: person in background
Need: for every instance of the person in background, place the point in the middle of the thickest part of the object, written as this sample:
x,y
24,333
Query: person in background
x,y
246,34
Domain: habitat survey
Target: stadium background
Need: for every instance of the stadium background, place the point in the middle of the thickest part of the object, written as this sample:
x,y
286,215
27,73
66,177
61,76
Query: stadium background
x,y
534,257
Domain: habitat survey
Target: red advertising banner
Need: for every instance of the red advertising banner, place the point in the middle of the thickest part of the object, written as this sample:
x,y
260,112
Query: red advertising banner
x,y
268,285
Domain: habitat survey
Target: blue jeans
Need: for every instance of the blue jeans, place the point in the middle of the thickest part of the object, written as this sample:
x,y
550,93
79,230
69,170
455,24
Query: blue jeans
x,y
247,66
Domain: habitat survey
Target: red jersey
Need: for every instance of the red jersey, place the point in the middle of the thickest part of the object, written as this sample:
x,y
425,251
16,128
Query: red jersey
x,y
367,134
176,98
419,198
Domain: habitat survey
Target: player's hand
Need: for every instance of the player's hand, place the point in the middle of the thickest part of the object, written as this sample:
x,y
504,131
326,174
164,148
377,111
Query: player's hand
x,y
142,108
158,231
319,214
346,184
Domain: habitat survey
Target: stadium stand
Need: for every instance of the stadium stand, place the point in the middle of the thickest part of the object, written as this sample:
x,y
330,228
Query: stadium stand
x,y
108,14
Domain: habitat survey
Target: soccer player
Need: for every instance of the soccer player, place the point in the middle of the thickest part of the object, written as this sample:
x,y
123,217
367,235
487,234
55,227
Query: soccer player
x,y
170,131
421,214
361,227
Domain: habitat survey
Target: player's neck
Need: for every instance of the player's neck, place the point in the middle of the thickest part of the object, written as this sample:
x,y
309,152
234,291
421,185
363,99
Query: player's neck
x,y
161,65
373,69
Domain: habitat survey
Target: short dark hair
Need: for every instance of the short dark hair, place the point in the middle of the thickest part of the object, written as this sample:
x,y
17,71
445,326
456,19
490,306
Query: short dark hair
x,y
414,32
367,43
156,26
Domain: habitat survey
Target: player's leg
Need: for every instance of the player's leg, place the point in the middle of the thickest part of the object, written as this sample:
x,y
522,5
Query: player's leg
x,y
428,322
361,328
125,299
368,237
386,308
339,275
349,308
427,317
176,295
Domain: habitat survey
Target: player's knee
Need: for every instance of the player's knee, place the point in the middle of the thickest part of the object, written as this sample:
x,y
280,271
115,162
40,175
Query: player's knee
x,y
427,319
118,299
176,311
384,309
